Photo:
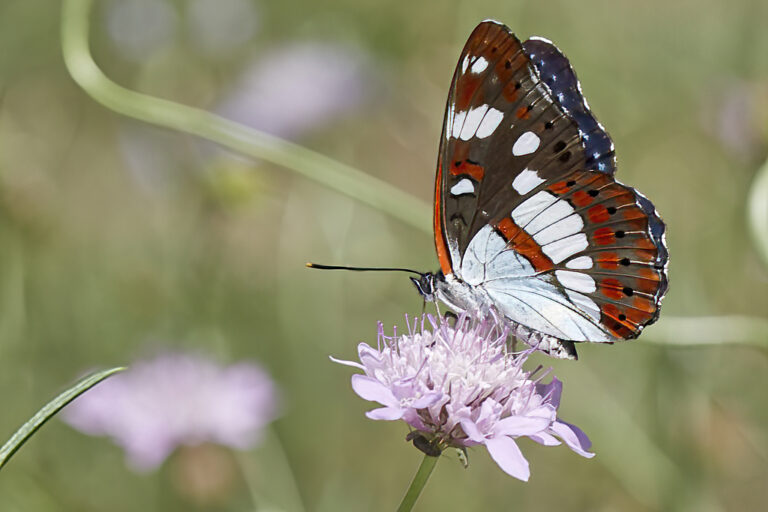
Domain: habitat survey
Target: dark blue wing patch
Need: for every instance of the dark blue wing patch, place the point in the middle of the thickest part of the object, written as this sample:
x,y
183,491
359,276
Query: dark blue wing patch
x,y
558,75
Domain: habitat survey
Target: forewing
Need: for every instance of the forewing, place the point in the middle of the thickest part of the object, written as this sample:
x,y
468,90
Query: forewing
x,y
501,120
526,205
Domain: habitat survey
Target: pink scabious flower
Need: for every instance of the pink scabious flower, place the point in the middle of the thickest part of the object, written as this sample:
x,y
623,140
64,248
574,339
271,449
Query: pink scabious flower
x,y
460,386
173,400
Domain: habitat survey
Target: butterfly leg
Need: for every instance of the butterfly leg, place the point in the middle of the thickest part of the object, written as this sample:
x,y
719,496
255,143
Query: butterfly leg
x,y
451,318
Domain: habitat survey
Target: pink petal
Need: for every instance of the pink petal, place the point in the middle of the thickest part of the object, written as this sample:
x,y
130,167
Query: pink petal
x,y
487,409
365,351
470,428
386,413
554,389
520,426
543,411
413,419
545,439
347,363
371,389
426,400
573,437
508,456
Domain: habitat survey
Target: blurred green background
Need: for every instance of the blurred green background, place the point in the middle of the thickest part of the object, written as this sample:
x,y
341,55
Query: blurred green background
x,y
119,239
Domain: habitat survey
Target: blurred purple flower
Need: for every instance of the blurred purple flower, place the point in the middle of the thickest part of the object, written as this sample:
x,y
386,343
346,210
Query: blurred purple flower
x,y
734,114
177,399
296,88
460,386
140,28
219,27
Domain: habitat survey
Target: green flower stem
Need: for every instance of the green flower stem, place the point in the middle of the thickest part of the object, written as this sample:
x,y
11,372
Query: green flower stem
x,y
418,483
310,164
757,212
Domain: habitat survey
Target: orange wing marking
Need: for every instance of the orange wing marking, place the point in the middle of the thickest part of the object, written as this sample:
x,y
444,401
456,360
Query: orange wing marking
x,y
440,244
523,244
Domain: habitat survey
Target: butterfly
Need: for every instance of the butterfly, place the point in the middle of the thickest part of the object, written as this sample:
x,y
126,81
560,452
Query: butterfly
x,y
529,221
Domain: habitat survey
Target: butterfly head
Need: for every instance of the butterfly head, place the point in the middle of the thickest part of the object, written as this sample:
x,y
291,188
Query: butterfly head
x,y
426,285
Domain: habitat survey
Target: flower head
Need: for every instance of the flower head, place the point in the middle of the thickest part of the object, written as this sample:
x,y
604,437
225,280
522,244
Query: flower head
x,y
460,386
173,400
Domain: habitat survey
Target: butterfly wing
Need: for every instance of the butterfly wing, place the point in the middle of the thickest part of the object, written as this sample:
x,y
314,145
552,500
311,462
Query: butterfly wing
x,y
526,206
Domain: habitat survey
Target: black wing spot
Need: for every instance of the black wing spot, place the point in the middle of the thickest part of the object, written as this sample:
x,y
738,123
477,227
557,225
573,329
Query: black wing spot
x,y
559,146
457,163
624,261
628,291
508,64
620,233
593,192
570,184
548,125
611,210
622,317
518,85
565,156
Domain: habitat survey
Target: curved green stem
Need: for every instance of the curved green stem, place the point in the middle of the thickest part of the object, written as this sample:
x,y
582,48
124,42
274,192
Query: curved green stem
x,y
757,212
310,164
418,483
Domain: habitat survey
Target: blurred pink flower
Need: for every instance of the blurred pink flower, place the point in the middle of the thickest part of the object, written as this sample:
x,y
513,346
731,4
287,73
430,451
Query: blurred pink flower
x,y
460,386
177,399
219,27
293,89
734,114
140,28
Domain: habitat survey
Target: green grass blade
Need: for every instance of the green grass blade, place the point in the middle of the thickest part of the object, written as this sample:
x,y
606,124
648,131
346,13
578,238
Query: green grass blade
x,y
51,408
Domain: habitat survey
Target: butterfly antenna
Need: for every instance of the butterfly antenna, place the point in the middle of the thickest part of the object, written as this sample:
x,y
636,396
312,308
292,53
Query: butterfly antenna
x,y
362,269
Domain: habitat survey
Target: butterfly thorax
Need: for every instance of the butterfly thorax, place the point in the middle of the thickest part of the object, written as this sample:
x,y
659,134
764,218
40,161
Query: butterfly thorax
x,y
461,297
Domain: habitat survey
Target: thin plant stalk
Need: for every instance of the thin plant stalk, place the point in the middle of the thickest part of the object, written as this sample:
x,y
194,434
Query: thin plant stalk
x,y
32,425
352,182
417,484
